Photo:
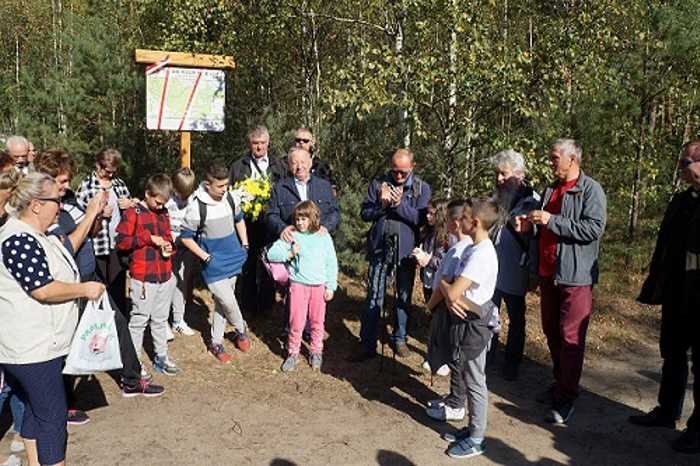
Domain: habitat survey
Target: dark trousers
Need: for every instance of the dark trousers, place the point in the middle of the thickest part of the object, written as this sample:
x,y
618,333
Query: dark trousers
x,y
515,341
40,386
254,288
376,287
678,335
427,293
113,275
565,314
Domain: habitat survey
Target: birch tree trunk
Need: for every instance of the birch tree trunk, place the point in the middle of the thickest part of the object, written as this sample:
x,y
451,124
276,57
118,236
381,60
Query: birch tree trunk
x,y
398,48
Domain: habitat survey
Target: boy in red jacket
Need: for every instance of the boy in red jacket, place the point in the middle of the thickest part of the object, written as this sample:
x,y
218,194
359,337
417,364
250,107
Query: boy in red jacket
x,y
144,231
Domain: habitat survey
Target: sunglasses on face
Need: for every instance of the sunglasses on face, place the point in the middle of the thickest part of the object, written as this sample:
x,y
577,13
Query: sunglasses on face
x,y
302,140
398,172
685,163
57,200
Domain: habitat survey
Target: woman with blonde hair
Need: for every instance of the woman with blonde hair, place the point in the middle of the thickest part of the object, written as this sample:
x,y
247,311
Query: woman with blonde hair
x,y
39,292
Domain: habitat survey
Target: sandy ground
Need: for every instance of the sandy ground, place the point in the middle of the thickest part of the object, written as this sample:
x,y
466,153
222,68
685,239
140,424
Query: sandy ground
x,y
250,413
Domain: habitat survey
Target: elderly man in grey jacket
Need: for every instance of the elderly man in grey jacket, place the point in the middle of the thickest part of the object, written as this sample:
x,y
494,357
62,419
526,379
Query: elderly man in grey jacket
x,y
517,253
570,224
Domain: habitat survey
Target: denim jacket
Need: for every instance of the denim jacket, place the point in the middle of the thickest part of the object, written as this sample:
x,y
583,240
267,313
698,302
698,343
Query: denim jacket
x,y
409,214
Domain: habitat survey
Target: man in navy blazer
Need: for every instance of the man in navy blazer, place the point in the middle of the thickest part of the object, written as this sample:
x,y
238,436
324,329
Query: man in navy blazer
x,y
301,186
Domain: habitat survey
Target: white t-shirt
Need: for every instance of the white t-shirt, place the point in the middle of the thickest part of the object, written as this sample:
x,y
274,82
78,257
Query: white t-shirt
x,y
449,263
480,265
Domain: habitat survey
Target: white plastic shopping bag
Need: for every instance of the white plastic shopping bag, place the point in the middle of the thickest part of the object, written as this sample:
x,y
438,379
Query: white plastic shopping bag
x,y
95,346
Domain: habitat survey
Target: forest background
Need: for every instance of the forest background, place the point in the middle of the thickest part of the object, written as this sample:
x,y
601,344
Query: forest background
x,y
454,80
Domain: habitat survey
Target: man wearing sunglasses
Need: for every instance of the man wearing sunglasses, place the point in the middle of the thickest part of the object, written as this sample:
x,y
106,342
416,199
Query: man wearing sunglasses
x,y
674,283
396,204
303,139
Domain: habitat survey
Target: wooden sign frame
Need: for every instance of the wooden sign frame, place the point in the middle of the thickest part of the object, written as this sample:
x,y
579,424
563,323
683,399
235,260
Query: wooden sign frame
x,y
195,60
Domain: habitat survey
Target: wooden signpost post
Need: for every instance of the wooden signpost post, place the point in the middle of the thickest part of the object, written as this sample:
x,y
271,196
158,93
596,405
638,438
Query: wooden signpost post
x,y
159,59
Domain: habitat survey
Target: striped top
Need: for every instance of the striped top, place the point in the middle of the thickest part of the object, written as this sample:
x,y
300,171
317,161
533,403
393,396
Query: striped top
x,y
218,236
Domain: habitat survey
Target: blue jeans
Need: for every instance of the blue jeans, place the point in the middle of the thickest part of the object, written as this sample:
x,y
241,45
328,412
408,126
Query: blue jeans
x,y
16,406
376,287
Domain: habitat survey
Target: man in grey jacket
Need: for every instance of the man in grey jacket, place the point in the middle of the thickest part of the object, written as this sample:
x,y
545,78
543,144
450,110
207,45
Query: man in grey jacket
x,y
570,225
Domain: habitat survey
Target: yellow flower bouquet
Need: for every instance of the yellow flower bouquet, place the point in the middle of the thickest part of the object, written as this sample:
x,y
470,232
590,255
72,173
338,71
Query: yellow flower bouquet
x,y
253,196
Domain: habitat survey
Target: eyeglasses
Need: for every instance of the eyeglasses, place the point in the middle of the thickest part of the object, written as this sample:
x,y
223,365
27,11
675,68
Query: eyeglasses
x,y
685,163
302,140
397,172
57,200
108,171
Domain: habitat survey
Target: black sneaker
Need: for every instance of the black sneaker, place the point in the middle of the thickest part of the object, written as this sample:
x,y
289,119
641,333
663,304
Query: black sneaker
x,y
77,417
363,356
687,442
654,418
144,388
561,413
546,397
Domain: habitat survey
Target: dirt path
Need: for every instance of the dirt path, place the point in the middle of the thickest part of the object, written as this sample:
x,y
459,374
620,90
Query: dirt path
x,y
250,413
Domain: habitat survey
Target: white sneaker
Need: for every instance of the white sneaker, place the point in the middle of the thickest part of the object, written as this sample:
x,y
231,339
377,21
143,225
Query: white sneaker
x,y
169,333
183,328
446,413
145,375
444,371
12,460
17,446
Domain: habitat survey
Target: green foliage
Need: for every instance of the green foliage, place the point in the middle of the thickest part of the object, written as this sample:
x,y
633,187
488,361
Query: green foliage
x,y
461,79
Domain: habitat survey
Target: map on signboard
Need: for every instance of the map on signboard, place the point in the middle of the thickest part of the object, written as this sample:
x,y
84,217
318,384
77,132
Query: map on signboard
x,y
185,99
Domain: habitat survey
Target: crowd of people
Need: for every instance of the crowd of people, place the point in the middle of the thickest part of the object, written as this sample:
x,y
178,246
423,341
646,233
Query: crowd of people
x,y
60,248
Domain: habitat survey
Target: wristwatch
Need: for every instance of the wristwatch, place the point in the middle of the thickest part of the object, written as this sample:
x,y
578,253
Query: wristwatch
x,y
246,246
207,260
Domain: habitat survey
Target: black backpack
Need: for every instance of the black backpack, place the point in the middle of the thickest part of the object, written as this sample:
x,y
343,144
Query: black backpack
x,y
203,213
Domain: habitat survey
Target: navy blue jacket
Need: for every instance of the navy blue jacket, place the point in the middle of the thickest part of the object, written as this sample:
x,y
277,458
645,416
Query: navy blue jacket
x,y
410,214
285,197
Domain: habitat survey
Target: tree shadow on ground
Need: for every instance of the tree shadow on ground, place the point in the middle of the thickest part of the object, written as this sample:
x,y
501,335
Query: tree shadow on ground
x,y
386,379
392,458
598,432
282,462
89,393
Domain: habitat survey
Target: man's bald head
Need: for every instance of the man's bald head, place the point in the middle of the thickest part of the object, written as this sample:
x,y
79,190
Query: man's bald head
x,y
401,165
299,162
689,163
402,154
691,150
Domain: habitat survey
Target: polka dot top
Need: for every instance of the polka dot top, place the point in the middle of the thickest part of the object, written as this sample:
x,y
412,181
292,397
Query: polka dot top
x,y
25,259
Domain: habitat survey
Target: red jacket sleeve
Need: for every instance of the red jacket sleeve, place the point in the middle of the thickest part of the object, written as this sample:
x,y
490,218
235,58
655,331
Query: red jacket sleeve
x,y
129,236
